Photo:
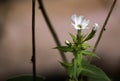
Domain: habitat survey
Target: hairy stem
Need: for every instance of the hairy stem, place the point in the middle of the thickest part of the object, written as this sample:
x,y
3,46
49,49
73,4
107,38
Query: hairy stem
x,y
41,6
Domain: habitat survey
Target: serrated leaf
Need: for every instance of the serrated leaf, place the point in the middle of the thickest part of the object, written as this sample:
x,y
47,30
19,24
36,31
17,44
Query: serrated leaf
x,y
94,73
64,48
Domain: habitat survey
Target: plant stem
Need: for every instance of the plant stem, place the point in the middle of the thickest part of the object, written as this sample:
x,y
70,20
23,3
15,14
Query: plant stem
x,y
41,6
104,25
33,41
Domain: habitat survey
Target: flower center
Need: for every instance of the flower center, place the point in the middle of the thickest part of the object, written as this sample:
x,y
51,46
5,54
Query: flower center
x,y
79,26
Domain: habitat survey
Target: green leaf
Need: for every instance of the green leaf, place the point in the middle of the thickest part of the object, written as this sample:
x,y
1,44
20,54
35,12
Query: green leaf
x,y
25,78
73,37
94,73
89,53
64,48
68,67
84,36
85,46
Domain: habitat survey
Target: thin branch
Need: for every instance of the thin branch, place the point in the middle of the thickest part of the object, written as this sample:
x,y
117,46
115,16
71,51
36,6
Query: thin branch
x,y
104,25
41,6
33,59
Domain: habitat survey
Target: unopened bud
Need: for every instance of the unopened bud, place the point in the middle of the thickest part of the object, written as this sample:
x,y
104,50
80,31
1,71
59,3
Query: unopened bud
x,y
95,27
68,42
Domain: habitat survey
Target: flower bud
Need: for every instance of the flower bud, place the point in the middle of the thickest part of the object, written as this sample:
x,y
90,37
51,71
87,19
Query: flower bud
x,y
68,42
95,27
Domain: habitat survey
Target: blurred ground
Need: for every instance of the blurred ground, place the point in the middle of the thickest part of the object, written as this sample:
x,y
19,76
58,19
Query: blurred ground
x,y
15,35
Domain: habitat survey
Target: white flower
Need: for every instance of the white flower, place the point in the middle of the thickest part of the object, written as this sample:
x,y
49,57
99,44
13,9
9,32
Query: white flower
x,y
79,22
95,27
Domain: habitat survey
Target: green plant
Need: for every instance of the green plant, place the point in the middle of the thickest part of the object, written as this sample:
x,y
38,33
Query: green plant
x,y
80,68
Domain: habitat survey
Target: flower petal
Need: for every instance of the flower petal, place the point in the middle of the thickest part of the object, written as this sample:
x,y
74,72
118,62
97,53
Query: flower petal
x,y
74,25
85,22
80,18
74,17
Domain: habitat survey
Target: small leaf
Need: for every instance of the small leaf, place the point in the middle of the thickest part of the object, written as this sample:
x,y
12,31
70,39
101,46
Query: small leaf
x,y
89,53
68,67
83,36
94,73
64,48
85,46
73,38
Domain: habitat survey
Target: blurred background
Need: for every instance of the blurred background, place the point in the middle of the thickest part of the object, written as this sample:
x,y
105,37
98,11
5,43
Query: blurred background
x,y
15,35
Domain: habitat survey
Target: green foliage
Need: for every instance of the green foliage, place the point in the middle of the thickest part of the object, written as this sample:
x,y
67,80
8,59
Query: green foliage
x,y
68,67
73,37
64,48
25,78
78,65
88,53
85,46
93,73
